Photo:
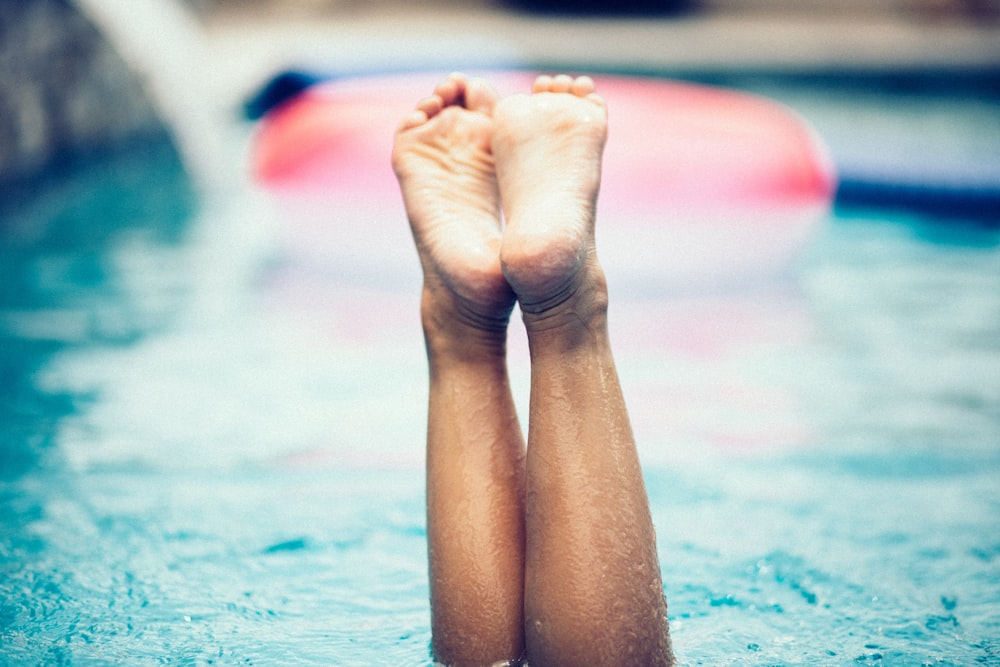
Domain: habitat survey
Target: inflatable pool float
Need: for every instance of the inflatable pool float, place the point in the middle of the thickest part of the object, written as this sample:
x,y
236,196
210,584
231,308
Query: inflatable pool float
x,y
699,182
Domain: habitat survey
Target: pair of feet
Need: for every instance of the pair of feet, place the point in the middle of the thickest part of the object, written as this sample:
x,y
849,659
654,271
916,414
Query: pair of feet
x,y
501,194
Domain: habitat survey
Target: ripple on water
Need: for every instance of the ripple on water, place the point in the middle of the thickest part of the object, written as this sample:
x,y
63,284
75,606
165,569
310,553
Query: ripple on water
x,y
172,518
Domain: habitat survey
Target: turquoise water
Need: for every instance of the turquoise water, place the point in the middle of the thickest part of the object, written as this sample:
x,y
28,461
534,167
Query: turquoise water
x,y
213,455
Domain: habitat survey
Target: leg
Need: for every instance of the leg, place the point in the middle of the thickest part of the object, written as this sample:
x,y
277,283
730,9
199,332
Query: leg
x,y
593,593
475,451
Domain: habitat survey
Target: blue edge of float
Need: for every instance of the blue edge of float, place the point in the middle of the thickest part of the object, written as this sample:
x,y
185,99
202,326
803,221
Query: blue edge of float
x,y
938,194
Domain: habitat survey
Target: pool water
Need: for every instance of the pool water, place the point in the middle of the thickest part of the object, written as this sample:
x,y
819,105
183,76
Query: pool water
x,y
213,455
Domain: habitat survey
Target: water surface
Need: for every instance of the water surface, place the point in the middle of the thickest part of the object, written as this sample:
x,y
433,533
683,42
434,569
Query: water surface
x,y
213,455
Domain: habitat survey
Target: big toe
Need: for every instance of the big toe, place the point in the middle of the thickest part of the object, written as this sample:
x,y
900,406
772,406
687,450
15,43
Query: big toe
x,y
480,96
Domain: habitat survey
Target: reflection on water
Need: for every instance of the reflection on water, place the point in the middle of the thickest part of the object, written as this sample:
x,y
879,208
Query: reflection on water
x,y
212,454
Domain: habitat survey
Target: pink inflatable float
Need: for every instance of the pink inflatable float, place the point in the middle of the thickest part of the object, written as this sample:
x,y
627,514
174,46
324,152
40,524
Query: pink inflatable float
x,y
699,182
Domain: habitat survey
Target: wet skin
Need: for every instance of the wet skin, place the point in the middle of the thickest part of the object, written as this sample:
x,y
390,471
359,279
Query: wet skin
x,y
548,553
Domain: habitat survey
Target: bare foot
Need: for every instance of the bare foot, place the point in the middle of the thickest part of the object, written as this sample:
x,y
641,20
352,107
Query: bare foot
x,y
548,148
444,163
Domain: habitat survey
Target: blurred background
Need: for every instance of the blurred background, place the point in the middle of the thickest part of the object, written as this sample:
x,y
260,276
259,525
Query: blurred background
x,y
59,72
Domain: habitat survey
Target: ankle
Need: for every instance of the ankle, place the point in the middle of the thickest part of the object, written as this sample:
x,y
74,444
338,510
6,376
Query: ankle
x,y
579,319
452,332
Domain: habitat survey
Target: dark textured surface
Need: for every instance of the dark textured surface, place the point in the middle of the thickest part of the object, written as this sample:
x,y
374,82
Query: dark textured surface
x,y
63,89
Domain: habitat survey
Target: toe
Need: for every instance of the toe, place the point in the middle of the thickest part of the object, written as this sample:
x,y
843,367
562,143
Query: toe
x,y
542,84
413,119
451,90
583,86
431,106
563,83
480,96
